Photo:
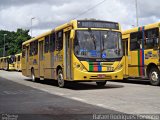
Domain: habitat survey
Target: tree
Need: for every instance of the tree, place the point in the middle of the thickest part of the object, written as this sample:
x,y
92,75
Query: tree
x,y
14,41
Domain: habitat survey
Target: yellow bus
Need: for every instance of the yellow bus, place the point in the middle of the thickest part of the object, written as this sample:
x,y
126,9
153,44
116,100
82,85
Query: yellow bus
x,y
142,48
7,63
81,50
12,62
17,62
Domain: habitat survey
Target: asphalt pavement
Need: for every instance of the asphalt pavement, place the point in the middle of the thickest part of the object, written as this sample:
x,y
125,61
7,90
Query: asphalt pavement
x,y
43,100
30,103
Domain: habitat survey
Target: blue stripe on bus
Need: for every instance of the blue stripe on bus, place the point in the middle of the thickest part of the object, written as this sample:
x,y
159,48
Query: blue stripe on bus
x,y
99,67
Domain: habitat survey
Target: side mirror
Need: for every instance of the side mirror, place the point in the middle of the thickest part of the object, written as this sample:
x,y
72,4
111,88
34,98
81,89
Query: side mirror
x,y
72,34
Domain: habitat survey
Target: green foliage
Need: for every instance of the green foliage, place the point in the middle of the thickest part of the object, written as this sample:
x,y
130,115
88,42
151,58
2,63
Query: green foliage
x,y
13,42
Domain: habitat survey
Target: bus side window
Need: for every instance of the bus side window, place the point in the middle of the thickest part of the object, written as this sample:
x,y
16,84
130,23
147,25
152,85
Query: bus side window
x,y
36,47
151,38
52,42
33,48
59,40
46,48
136,41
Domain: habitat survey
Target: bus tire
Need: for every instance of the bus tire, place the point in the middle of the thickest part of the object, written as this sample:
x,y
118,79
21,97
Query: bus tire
x,y
60,79
34,79
154,76
101,84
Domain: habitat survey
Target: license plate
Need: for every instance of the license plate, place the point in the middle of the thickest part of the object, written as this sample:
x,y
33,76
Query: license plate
x,y
101,76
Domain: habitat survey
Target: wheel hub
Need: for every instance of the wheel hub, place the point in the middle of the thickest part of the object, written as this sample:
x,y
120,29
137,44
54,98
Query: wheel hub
x,y
33,77
154,76
60,79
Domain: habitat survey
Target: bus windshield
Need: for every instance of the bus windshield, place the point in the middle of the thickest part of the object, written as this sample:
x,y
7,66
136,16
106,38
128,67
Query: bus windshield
x,y
98,44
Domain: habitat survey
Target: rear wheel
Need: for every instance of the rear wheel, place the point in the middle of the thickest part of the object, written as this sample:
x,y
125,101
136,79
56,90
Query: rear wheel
x,y
101,84
60,79
34,79
154,76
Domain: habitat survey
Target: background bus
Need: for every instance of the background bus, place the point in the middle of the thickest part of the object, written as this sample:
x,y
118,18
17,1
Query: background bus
x,y
7,63
142,53
17,62
81,50
10,62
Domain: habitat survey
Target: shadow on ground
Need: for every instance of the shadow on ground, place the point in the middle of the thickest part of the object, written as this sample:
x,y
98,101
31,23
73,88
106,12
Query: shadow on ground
x,y
79,85
135,81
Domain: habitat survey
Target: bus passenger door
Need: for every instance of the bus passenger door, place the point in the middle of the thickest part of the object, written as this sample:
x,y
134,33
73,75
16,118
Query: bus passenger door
x,y
67,55
41,59
125,52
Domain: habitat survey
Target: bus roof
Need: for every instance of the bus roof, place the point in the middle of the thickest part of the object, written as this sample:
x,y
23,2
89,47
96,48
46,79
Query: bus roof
x,y
37,37
72,23
49,32
149,26
18,54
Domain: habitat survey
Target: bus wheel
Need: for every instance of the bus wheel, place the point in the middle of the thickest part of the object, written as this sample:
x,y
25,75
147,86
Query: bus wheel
x,y
34,79
101,84
60,79
154,77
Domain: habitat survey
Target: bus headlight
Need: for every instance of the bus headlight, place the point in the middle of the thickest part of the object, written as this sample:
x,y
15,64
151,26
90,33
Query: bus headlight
x,y
76,65
79,66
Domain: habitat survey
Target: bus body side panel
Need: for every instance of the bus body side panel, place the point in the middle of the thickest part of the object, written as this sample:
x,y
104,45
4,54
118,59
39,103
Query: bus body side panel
x,y
53,69
47,65
133,64
151,56
23,66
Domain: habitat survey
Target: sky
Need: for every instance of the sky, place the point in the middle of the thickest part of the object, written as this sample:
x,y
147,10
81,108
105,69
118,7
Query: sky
x,y
51,13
